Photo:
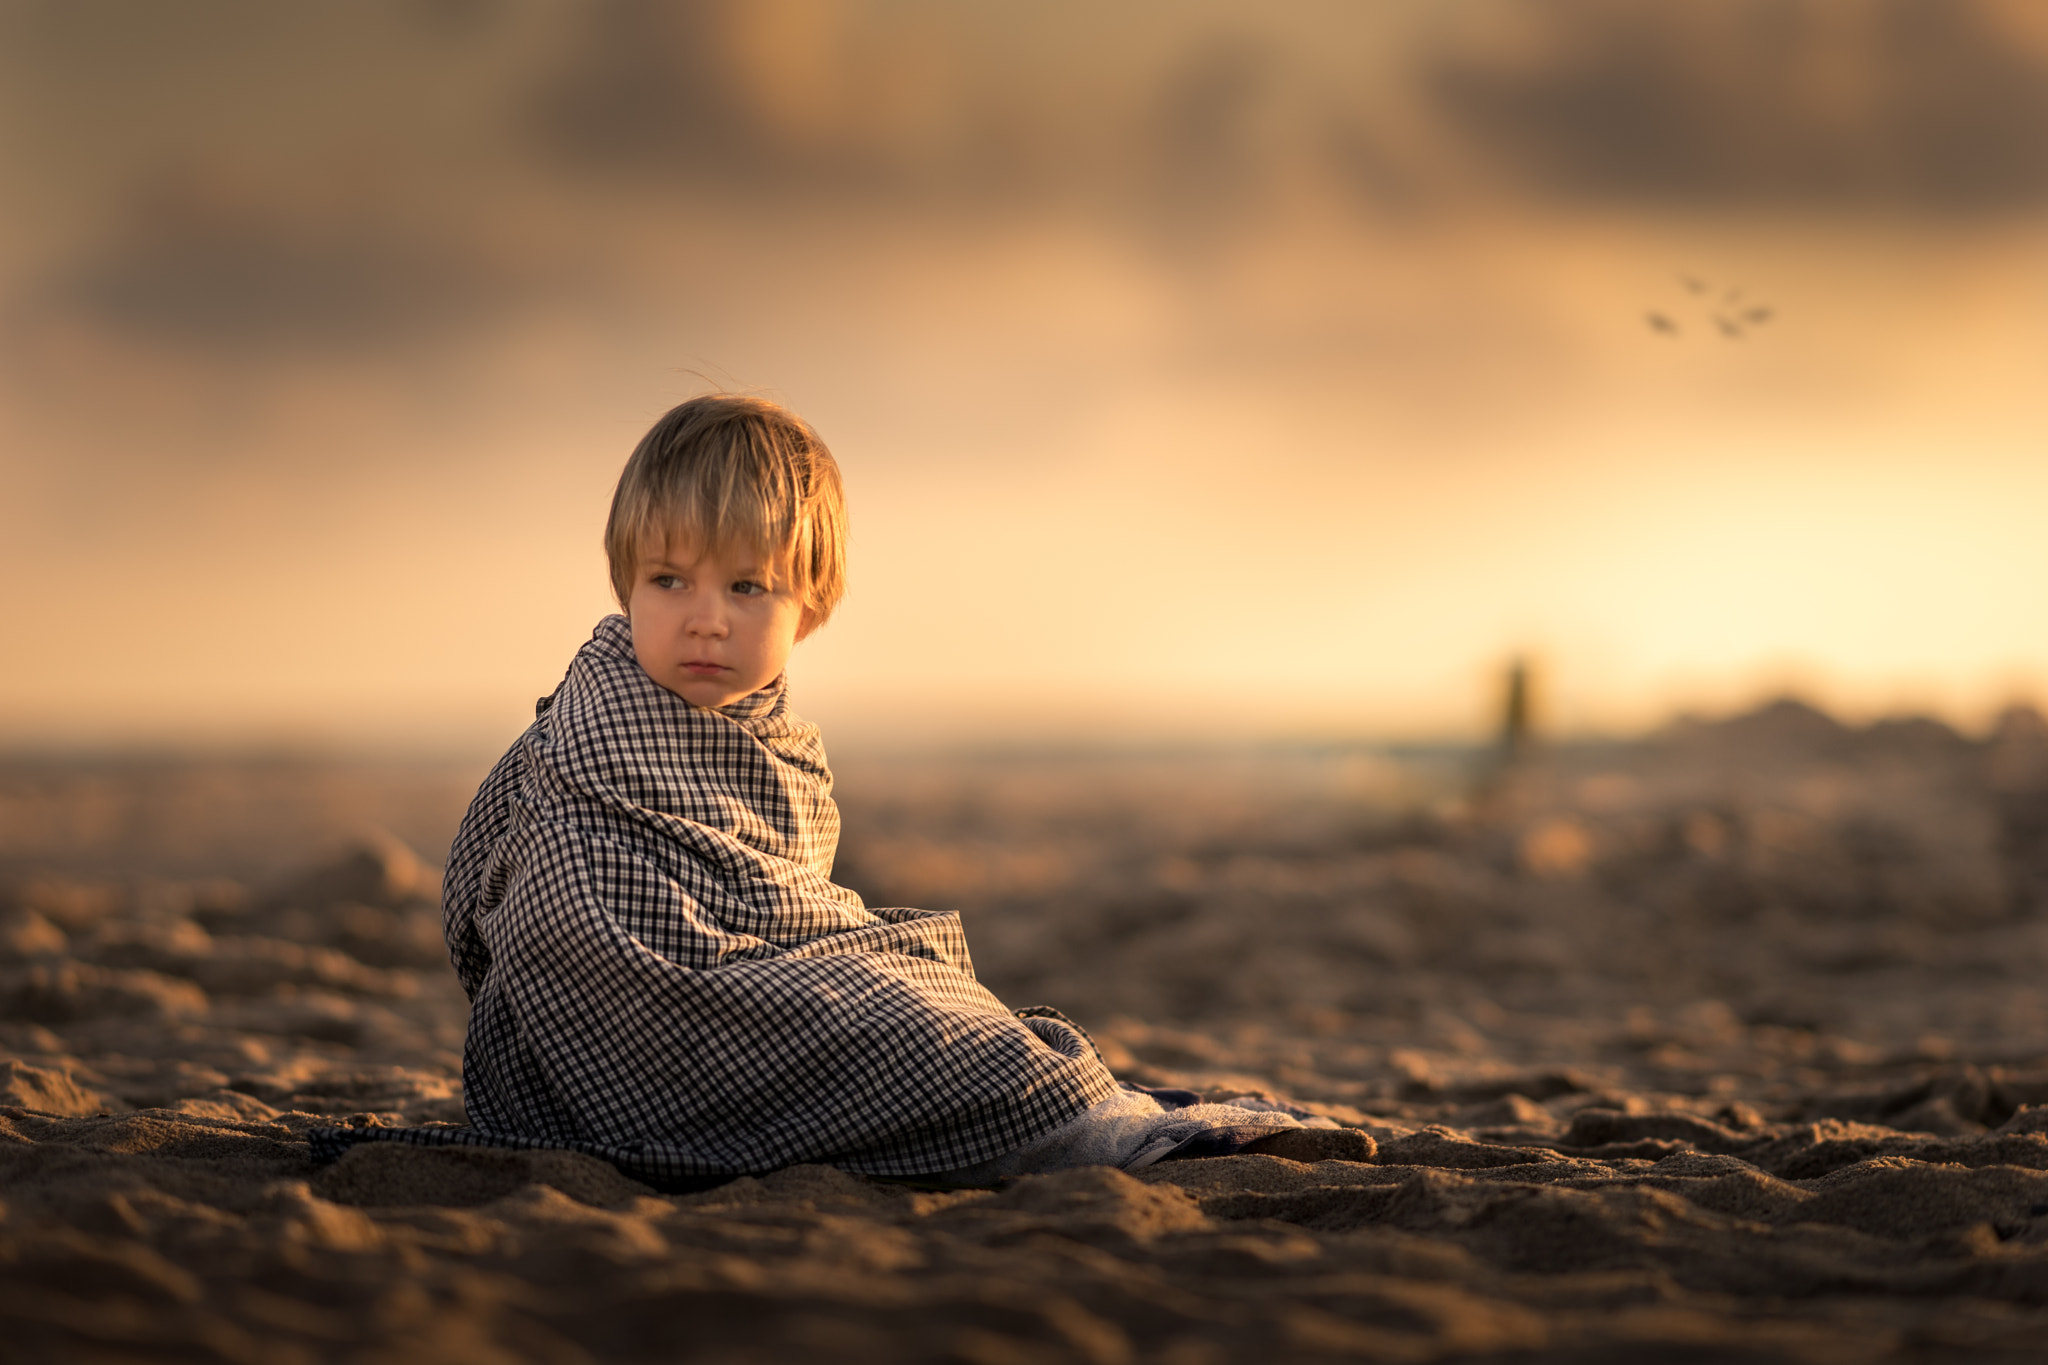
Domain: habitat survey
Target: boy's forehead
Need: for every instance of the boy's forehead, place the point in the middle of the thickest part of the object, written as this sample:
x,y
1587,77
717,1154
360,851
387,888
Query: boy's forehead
x,y
679,545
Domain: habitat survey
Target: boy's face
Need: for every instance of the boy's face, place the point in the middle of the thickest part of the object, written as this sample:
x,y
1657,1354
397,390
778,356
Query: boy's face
x,y
713,625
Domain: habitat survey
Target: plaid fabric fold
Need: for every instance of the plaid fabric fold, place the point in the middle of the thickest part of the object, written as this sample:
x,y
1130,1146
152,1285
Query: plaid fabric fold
x,y
662,972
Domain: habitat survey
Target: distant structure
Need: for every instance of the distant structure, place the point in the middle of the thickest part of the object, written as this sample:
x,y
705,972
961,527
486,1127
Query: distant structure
x,y
1501,776
2017,766
1517,723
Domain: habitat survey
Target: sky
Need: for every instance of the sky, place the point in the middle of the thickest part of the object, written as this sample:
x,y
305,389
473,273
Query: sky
x,y
1200,372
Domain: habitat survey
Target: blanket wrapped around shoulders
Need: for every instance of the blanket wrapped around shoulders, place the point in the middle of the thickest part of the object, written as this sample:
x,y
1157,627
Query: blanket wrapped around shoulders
x,y
662,972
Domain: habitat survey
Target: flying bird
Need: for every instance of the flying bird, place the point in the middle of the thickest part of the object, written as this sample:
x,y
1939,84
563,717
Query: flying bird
x,y
1727,313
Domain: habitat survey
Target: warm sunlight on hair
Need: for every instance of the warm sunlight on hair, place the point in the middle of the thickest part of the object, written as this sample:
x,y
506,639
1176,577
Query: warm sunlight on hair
x,y
727,470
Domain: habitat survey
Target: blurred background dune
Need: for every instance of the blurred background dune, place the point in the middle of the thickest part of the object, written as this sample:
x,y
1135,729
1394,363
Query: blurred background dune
x,y
1200,371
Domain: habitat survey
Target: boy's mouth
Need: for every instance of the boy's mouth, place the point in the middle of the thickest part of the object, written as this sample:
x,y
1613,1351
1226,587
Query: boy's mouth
x,y
704,668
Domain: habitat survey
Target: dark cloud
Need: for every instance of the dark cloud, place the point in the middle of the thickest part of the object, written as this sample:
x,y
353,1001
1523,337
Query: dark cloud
x,y
203,261
1208,112
646,87
1914,104
711,89
1183,124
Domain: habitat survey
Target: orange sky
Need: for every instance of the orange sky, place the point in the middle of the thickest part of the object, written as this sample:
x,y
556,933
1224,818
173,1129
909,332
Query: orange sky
x,y
1205,380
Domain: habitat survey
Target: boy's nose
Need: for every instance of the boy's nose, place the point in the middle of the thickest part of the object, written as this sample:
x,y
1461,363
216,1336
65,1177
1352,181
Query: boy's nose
x,y
705,621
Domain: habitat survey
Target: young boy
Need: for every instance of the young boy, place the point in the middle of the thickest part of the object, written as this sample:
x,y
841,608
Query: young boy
x,y
640,902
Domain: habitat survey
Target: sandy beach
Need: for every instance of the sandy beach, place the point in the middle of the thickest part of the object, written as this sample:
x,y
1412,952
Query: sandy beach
x,y
1726,1044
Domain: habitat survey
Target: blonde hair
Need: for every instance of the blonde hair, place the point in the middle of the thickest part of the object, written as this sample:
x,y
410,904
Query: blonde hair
x,y
726,469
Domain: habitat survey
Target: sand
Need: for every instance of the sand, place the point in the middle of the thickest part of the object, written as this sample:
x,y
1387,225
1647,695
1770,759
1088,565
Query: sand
x,y
1725,1045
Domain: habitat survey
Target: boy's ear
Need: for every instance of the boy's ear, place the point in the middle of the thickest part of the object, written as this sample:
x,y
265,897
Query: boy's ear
x,y
808,622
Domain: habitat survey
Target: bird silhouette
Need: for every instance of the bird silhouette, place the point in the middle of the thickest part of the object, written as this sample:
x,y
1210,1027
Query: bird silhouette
x,y
1722,306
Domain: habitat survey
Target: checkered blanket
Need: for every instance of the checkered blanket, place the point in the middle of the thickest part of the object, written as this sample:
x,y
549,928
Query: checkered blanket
x,y
662,972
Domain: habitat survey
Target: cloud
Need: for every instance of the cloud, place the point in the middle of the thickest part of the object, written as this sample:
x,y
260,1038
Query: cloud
x,y
1915,104
805,94
205,261
1196,125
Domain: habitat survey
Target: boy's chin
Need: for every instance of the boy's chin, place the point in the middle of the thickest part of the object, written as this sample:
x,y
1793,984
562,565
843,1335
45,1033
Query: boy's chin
x,y
698,696
708,693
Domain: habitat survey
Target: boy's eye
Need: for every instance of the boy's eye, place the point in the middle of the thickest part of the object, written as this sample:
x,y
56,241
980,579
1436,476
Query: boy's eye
x,y
747,587
665,581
